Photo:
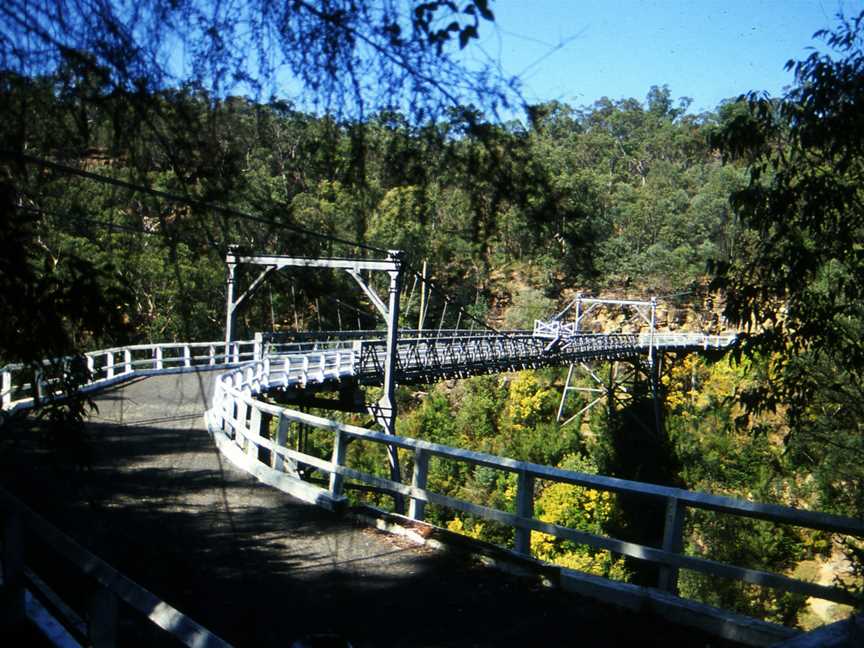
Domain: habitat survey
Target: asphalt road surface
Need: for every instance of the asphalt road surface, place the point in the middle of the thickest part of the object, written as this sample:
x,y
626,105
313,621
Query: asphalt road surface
x,y
260,568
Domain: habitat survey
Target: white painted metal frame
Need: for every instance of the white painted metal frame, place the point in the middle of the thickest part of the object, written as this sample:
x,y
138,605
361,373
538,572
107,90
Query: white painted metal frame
x,y
99,629
237,420
119,364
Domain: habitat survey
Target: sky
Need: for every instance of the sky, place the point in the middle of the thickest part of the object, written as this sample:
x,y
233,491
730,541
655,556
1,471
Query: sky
x,y
578,51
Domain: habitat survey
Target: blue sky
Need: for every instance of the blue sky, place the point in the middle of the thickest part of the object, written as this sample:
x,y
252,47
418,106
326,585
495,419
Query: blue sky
x,y
708,50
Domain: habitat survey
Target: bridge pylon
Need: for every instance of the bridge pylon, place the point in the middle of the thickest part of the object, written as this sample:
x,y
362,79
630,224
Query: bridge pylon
x,y
638,315
383,410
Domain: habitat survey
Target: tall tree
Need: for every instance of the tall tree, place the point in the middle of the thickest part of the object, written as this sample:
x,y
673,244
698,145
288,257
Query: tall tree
x,y
797,288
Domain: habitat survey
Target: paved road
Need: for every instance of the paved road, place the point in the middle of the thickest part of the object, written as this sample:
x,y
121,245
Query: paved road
x,y
260,568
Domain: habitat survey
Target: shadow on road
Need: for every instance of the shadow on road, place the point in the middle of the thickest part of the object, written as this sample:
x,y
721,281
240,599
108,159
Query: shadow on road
x,y
260,568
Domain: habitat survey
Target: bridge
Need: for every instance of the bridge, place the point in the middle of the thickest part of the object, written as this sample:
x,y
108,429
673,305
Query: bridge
x,y
240,379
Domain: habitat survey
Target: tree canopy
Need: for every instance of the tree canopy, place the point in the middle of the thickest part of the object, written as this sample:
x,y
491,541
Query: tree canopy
x,y
339,57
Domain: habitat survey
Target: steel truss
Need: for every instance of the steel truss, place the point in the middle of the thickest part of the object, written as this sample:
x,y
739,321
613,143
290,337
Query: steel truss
x,y
563,334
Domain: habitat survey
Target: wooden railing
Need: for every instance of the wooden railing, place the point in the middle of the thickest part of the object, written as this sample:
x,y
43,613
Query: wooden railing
x,y
242,426
97,623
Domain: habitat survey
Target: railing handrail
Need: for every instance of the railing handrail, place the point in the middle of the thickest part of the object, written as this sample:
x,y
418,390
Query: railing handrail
x,y
110,581
117,364
236,412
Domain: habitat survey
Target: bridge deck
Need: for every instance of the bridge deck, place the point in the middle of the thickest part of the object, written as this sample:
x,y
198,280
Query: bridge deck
x,y
262,569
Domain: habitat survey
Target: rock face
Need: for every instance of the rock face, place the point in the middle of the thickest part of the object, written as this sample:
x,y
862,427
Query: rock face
x,y
698,311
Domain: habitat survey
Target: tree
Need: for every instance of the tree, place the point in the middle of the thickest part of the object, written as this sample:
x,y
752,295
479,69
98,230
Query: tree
x,y
797,286
339,56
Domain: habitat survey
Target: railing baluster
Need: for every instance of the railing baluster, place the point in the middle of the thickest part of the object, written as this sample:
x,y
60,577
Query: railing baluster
x,y
187,356
281,439
673,540
109,364
417,507
6,387
255,422
525,509
240,424
102,621
39,384
340,446
127,361
159,361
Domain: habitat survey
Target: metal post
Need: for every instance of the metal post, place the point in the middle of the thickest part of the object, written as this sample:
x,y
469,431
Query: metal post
x,y
230,317
258,346
6,388
421,317
578,311
387,403
651,349
654,369
564,392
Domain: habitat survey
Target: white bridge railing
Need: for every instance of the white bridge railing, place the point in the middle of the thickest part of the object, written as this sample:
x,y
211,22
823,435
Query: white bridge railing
x,y
254,436
422,355
555,330
23,385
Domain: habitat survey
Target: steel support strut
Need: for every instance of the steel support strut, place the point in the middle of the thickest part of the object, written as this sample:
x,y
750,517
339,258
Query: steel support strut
x,y
384,411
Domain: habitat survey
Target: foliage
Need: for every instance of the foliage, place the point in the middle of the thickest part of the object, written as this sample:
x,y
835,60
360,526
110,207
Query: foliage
x,y
577,508
509,217
339,56
796,284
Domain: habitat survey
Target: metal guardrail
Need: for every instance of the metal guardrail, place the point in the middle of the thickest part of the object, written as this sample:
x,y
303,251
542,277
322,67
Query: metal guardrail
x,y
97,625
241,424
22,386
423,356
568,331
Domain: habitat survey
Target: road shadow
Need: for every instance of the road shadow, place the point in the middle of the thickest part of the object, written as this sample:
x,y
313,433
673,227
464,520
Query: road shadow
x,y
260,568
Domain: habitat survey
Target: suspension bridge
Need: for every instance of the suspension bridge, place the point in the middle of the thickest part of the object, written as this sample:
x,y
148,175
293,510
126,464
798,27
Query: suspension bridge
x,y
248,379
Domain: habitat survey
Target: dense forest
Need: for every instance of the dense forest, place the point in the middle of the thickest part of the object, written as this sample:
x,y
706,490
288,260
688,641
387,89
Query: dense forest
x,y
118,209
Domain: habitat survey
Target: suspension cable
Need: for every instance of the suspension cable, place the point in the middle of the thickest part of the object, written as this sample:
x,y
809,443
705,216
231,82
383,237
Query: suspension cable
x,y
62,168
